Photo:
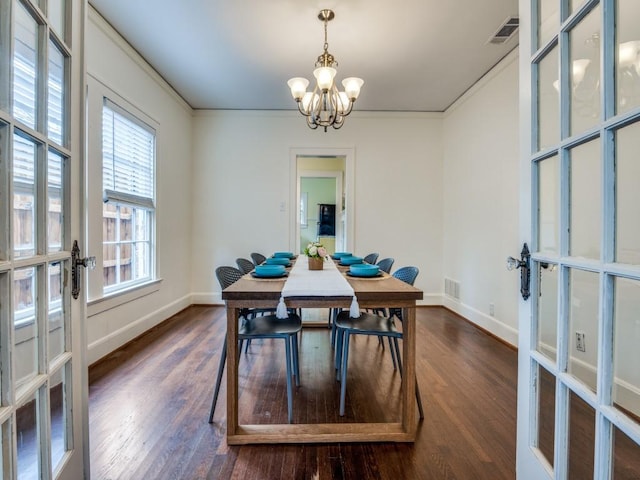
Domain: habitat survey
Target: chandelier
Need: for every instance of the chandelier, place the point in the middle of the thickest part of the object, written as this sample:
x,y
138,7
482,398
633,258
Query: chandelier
x,y
325,106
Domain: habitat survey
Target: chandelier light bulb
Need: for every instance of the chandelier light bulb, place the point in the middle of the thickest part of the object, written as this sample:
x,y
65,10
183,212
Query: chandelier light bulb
x,y
309,101
343,103
352,87
325,76
298,86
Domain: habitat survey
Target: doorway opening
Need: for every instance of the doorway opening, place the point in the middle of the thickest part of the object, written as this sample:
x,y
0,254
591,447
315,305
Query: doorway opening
x,y
321,189
321,193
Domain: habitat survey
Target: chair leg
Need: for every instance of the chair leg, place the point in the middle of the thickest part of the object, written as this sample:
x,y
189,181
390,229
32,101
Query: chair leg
x,y
393,353
287,342
398,356
338,352
334,313
223,359
240,342
419,400
296,364
343,381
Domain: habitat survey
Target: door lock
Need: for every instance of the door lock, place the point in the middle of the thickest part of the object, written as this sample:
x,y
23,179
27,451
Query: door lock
x,y
525,270
76,262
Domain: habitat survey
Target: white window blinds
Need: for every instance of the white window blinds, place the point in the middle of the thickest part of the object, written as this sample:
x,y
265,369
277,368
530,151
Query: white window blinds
x,y
127,157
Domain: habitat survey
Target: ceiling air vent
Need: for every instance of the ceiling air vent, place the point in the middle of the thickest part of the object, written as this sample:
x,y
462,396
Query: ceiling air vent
x,y
508,28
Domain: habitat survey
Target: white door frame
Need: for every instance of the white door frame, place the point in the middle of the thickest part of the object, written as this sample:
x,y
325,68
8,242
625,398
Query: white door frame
x,y
348,189
337,175
67,360
530,461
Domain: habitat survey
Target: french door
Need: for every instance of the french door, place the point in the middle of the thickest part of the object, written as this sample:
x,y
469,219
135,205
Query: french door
x,y
43,378
579,344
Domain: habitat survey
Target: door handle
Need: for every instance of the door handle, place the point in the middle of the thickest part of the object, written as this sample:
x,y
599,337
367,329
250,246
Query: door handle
x,y
76,263
525,270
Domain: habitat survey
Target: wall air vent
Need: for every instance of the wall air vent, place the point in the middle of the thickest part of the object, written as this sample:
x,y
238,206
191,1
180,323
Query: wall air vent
x,y
508,28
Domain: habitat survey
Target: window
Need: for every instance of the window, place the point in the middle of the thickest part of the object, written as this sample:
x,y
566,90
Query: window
x,y
128,167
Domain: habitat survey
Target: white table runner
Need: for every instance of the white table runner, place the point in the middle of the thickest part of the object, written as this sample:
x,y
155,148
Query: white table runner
x,y
328,282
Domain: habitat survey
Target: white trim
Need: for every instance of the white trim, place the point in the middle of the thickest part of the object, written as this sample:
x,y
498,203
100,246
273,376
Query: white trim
x,y
101,24
134,328
122,297
207,298
382,115
505,62
482,320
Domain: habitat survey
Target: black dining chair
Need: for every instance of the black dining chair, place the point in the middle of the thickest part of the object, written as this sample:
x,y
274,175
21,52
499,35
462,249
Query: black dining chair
x,y
245,265
266,326
385,264
258,258
372,258
371,324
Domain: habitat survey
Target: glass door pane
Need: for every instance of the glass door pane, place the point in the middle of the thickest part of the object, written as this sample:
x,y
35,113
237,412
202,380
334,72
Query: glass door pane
x,y
627,194
25,65
549,205
548,310
586,200
585,73
626,327
582,434
583,327
25,297
24,197
548,101
628,55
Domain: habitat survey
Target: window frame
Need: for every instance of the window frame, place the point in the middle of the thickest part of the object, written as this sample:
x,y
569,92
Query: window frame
x,y
101,299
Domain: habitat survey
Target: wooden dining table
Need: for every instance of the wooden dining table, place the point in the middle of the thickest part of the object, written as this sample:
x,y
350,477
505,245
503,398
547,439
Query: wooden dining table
x,y
382,292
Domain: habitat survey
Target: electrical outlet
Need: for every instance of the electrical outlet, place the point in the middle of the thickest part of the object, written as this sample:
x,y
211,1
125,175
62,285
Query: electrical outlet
x,y
492,309
580,345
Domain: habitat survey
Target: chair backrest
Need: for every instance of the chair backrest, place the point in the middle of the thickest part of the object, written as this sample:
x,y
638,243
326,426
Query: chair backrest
x,y
385,264
258,258
228,276
407,275
244,265
372,258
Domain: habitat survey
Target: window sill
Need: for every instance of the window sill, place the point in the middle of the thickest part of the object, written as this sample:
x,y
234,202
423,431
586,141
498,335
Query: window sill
x,y
113,300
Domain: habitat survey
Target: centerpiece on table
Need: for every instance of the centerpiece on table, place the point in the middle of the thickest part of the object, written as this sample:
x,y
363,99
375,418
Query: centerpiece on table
x,y
316,254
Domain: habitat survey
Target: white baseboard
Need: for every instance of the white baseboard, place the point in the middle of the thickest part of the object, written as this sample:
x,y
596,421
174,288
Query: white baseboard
x,y
114,340
431,300
207,298
487,322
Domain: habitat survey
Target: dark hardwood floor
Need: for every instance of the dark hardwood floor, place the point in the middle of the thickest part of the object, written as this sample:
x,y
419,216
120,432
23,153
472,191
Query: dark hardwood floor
x,y
149,404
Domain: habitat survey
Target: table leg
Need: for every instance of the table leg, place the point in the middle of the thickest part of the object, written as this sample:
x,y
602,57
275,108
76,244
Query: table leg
x,y
232,370
409,374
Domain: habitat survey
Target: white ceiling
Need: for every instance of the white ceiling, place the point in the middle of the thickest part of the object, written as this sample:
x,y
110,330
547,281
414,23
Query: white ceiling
x,y
414,55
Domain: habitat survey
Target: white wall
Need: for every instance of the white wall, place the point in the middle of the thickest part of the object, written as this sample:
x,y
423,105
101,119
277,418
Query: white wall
x,y
241,176
432,190
113,63
480,200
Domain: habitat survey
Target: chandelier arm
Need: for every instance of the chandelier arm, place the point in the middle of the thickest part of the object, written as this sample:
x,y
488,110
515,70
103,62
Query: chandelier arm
x,y
348,109
301,109
310,123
